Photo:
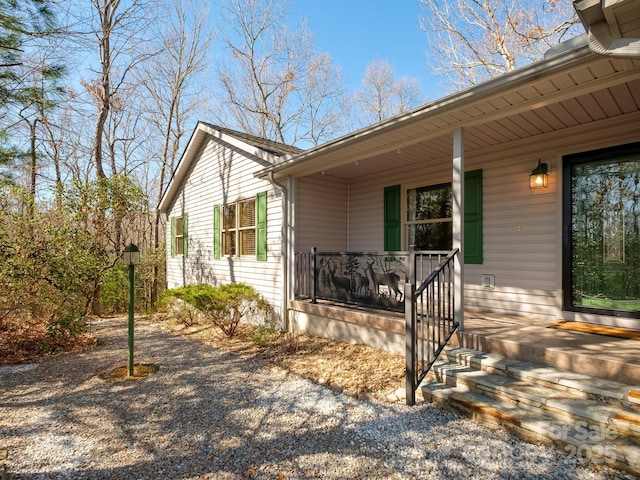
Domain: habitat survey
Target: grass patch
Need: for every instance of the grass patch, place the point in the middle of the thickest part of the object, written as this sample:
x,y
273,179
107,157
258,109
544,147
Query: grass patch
x,y
610,304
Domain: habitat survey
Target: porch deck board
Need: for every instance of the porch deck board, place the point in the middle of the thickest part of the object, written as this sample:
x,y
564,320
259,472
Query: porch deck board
x,y
535,340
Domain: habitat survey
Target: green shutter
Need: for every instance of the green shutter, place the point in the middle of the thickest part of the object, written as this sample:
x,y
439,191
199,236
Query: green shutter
x,y
473,217
172,220
392,219
185,236
216,231
261,226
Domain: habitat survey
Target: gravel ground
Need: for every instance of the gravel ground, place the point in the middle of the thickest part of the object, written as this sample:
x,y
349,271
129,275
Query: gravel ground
x,y
208,414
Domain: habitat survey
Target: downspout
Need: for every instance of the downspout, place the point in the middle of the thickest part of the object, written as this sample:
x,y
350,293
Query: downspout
x,y
602,43
285,250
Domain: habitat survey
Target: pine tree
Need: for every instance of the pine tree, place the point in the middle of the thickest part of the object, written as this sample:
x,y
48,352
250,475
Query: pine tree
x,y
23,22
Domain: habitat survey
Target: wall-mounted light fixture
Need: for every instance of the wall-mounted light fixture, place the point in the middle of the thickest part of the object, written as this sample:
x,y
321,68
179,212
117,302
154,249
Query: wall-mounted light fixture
x,y
539,176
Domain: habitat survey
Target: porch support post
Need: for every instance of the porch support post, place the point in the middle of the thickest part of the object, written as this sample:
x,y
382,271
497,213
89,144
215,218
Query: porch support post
x,y
314,275
458,223
290,250
410,344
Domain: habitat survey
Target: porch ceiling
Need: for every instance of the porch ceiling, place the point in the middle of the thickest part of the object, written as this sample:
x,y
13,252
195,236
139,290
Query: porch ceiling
x,y
572,89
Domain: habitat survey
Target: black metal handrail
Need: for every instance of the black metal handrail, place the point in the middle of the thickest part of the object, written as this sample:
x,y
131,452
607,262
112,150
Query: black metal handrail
x,y
430,321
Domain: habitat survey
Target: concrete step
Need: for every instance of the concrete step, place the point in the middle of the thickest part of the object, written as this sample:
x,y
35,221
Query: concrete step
x,y
577,439
582,416
539,344
563,404
579,384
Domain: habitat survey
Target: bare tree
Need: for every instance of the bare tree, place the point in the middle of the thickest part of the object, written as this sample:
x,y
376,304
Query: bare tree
x,y
118,33
383,96
275,84
119,29
474,40
320,97
170,82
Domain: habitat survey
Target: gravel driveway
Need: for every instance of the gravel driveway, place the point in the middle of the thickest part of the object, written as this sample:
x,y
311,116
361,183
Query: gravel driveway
x,y
214,415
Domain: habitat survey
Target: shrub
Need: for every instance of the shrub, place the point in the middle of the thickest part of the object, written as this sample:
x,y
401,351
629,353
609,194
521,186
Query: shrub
x,y
114,289
224,305
264,335
49,266
67,326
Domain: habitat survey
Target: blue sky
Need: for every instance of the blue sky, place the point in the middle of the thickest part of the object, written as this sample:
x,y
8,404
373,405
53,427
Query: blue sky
x,y
356,32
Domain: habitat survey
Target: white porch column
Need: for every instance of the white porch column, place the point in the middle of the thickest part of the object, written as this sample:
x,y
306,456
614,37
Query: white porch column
x,y
457,185
287,192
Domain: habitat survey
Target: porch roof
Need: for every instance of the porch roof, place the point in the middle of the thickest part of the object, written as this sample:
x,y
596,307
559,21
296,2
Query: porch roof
x,y
566,90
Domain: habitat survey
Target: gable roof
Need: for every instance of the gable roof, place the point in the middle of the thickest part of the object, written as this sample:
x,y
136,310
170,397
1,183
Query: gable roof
x,y
262,150
275,148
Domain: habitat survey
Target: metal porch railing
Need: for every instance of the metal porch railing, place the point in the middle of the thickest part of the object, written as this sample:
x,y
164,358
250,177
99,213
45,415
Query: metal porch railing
x,y
430,322
386,281
374,279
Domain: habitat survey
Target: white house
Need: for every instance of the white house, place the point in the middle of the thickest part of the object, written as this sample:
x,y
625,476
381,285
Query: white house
x,y
564,246
225,224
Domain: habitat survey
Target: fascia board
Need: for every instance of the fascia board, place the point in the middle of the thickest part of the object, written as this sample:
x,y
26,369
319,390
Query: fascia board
x,y
199,135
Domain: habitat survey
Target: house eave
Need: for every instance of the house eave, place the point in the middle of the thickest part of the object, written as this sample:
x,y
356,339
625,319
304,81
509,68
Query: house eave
x,y
613,26
303,163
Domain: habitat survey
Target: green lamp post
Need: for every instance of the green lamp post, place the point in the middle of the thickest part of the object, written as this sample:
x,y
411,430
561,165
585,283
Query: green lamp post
x,y
131,257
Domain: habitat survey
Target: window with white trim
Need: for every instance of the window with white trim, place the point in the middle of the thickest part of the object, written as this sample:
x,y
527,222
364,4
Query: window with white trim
x,y
239,228
178,236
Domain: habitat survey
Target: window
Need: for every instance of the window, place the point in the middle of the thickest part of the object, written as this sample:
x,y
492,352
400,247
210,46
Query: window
x,y
179,236
429,219
239,228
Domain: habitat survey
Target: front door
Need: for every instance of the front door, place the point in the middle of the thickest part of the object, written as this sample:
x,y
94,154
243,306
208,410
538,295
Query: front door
x,y
602,231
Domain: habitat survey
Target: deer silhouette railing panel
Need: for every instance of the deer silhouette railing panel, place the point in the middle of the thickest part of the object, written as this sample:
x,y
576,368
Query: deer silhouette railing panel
x,y
368,279
430,321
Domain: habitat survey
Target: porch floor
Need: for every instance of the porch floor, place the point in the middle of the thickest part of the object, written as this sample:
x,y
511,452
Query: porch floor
x,y
536,340
519,337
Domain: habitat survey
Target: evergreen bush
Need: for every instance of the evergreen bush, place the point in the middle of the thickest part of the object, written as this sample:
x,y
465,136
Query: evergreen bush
x,y
225,306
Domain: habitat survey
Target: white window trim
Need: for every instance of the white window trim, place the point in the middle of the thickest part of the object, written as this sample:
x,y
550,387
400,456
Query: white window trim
x,y
237,229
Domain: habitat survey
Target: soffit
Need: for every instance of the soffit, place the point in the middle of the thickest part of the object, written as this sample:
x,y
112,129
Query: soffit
x,y
591,90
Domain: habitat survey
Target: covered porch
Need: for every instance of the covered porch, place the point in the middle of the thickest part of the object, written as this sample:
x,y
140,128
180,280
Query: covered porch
x,y
377,189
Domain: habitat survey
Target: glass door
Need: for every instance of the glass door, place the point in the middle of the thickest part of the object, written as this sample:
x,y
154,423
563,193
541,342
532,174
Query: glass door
x,y
602,225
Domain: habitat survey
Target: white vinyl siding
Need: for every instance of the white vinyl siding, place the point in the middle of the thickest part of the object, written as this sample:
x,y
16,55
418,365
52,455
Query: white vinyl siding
x,y
322,212
221,176
508,251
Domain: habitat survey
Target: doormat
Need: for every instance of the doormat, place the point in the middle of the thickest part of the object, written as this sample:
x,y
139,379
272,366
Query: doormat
x,y
599,330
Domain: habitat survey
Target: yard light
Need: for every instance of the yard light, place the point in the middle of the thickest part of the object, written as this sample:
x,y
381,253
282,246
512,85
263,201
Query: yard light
x,y
131,257
539,176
